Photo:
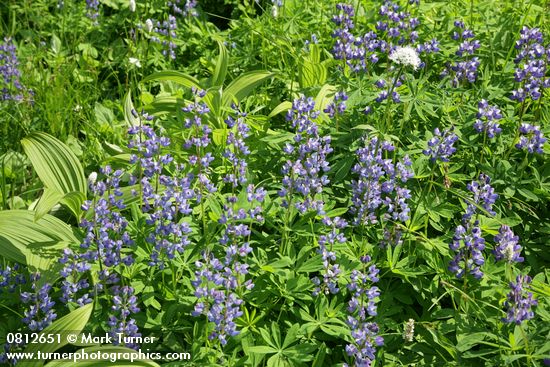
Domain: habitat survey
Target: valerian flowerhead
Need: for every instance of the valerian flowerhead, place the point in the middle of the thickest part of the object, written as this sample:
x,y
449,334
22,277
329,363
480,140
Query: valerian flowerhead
x,y
406,56
408,331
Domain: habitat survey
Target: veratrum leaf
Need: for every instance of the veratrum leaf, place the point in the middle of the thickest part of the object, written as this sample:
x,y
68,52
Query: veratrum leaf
x,y
130,119
243,85
282,107
221,66
71,324
173,76
59,170
19,230
125,361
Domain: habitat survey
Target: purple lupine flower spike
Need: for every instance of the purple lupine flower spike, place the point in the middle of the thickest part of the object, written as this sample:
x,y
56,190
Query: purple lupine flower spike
x,y
507,248
519,301
441,145
487,119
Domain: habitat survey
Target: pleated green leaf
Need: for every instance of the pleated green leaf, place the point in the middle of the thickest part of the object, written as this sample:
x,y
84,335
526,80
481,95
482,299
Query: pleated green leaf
x,y
125,361
173,76
130,119
20,232
243,85
221,66
68,325
59,170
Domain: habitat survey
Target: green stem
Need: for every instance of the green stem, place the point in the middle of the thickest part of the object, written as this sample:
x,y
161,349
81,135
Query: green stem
x,y
388,103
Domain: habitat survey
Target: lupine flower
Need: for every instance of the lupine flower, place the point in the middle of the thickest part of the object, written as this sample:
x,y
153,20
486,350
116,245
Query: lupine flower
x,y
519,301
408,331
406,56
218,283
106,233
11,87
304,171
484,195
428,47
464,69
165,35
507,248
531,61
468,244
132,5
164,197
40,313
487,119
11,278
124,304
74,265
387,87
338,105
331,271
360,307
440,146
188,7
197,142
379,184
92,10
355,50
531,138
236,150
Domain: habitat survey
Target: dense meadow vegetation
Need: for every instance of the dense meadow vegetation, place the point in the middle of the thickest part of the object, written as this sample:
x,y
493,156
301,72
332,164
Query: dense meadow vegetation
x,y
275,183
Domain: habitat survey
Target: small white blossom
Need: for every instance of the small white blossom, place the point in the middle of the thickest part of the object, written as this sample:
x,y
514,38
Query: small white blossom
x,y
274,11
405,56
149,25
135,62
92,178
132,6
408,332
77,108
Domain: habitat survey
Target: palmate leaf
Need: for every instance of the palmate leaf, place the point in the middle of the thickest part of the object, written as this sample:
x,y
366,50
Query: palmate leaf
x,y
59,170
73,323
123,352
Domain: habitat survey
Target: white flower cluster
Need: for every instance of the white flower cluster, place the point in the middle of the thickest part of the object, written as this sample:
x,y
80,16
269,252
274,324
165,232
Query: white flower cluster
x,y
408,332
406,56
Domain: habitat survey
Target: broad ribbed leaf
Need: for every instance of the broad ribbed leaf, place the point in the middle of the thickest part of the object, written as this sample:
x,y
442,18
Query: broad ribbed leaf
x,y
71,324
109,350
243,85
282,107
59,170
173,76
129,117
19,232
322,99
221,66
